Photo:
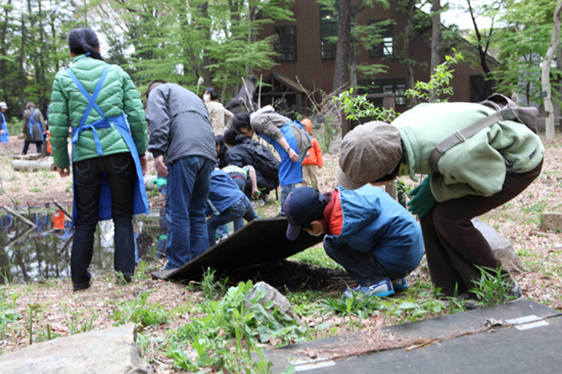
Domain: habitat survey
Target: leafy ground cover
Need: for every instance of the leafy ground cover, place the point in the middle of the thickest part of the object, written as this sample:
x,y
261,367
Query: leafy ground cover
x,y
204,326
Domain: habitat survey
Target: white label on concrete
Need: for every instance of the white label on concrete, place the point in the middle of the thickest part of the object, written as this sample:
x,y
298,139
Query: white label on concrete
x,y
304,365
522,320
532,325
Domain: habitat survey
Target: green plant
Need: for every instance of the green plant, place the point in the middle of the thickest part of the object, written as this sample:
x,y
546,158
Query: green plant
x,y
210,288
32,308
492,288
357,107
86,326
8,312
35,189
438,82
140,312
358,305
229,331
316,256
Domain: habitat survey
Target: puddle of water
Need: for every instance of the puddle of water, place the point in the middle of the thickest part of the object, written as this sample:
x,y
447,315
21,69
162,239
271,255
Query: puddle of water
x,y
35,254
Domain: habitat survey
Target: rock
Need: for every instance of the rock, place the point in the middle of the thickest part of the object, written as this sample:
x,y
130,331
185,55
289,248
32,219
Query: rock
x,y
335,145
271,293
113,350
148,182
502,248
551,221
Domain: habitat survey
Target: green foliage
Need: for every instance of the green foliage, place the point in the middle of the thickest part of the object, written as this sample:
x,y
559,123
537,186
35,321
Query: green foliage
x,y
140,312
210,288
32,309
492,288
438,82
8,312
358,305
316,256
226,334
358,107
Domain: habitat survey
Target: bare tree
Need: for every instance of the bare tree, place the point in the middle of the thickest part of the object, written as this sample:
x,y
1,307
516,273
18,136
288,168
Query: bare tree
x,y
548,108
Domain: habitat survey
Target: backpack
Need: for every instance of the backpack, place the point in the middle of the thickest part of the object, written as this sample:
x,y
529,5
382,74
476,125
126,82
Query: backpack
x,y
264,161
506,110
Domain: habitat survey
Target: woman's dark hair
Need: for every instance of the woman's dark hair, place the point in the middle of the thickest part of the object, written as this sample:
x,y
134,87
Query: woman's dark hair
x,y
30,105
212,92
230,137
241,121
219,140
84,40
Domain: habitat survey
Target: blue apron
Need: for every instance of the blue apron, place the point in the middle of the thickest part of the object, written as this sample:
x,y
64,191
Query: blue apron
x,y
5,136
289,172
32,122
140,200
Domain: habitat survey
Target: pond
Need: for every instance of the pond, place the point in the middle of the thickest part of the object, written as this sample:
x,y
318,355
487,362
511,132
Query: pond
x,y
35,254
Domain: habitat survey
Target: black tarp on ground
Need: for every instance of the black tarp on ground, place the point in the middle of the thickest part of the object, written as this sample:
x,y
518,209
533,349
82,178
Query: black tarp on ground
x,y
499,350
259,242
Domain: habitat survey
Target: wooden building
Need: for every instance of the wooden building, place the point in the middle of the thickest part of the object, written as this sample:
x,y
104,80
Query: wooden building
x,y
306,58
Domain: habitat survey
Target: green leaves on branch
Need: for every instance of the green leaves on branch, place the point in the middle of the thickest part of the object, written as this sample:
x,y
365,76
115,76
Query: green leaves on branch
x,y
358,107
438,82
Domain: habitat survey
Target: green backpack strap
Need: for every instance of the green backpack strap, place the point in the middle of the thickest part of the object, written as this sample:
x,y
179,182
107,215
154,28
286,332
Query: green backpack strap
x,y
506,110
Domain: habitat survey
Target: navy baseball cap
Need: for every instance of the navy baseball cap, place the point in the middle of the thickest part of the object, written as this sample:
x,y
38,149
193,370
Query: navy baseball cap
x,y
302,206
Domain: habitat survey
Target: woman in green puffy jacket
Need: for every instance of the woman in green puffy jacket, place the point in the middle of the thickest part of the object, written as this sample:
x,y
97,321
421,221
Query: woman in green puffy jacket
x,y
101,105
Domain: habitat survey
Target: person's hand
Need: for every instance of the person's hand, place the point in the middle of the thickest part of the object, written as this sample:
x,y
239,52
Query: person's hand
x,y
64,172
21,135
293,155
1,131
160,166
422,198
255,194
144,164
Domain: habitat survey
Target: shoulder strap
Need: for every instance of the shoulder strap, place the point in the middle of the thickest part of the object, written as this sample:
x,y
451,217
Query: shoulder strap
x,y
505,114
91,98
32,120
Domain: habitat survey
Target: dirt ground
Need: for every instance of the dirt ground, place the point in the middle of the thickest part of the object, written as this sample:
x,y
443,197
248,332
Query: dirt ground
x,y
518,221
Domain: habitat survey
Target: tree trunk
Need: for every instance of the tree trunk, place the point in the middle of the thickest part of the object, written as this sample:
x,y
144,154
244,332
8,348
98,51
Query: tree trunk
x,y
407,61
548,108
482,49
435,43
352,50
22,54
343,48
3,46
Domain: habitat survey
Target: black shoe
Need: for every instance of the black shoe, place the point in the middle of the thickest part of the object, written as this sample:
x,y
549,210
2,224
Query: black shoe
x,y
125,279
80,287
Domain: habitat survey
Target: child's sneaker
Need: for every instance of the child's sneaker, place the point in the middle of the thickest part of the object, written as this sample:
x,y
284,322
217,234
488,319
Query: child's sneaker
x,y
381,289
515,293
400,284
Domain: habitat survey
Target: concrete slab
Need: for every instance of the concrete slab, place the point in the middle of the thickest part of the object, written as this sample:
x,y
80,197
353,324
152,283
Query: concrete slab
x,y
259,242
463,345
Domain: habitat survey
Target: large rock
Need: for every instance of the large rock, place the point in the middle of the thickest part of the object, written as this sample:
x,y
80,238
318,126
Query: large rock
x,y
283,305
109,351
503,250
551,221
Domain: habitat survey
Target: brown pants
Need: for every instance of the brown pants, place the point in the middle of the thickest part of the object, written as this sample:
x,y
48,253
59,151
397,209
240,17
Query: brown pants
x,y
454,247
310,176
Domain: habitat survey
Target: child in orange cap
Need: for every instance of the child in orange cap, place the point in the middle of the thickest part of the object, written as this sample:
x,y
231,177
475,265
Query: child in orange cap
x,y
313,160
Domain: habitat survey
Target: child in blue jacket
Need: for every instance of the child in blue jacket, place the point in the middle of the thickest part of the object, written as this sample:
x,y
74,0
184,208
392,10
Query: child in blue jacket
x,y
367,232
226,203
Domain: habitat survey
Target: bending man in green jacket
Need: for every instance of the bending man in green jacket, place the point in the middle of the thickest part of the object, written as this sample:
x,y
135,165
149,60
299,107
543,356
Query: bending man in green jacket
x,y
475,176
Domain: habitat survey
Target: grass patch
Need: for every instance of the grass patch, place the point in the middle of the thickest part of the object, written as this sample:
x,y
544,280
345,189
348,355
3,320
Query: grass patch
x,y
316,256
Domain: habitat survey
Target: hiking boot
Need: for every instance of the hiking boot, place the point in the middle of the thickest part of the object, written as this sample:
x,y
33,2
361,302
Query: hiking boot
x,y
515,293
381,289
400,284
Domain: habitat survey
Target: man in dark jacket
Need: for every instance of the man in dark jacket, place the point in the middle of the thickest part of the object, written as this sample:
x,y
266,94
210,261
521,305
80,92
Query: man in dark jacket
x,y
183,144
238,154
34,127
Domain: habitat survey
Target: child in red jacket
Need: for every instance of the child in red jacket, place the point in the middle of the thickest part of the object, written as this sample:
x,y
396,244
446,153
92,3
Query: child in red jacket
x,y
313,160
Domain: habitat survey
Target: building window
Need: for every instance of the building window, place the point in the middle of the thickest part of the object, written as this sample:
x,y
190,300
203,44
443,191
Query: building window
x,y
286,43
329,31
378,86
385,46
